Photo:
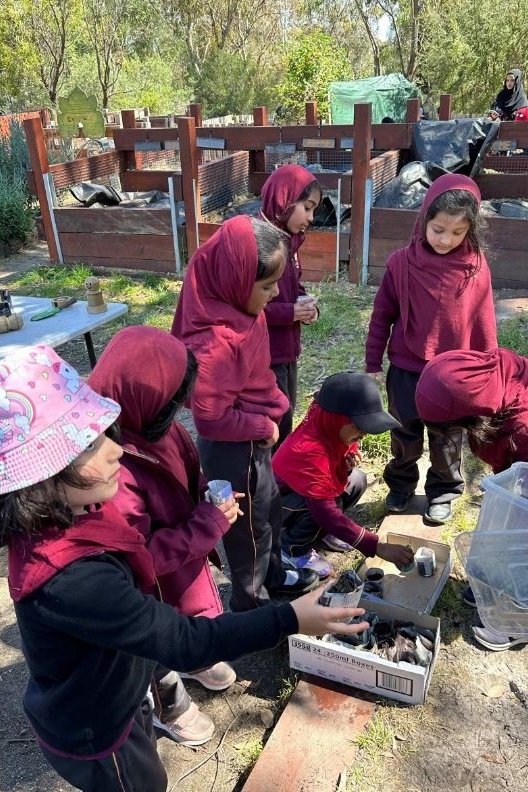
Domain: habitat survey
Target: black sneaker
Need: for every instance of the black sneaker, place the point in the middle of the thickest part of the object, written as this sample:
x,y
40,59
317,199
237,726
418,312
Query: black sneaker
x,y
396,502
469,597
297,581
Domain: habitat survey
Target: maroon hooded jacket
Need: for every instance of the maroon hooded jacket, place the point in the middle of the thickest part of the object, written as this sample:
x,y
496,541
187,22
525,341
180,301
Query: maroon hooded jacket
x,y
428,303
280,193
464,383
33,561
236,397
161,490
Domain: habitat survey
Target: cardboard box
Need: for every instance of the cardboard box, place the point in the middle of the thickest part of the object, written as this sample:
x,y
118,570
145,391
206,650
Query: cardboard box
x,y
412,590
341,663
409,597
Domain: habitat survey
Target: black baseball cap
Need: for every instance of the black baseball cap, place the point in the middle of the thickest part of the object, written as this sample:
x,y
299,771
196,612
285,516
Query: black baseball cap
x,y
357,396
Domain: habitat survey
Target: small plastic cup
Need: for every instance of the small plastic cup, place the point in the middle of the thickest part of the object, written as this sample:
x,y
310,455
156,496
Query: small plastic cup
x,y
308,300
220,491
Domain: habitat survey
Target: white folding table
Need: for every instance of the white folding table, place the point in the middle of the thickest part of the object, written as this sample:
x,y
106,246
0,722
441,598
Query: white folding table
x,y
69,323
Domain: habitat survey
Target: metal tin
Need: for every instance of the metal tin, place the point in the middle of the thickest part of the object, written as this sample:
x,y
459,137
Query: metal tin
x,y
425,561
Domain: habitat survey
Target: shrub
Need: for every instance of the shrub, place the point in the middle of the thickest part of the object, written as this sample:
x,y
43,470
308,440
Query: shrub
x,y
16,213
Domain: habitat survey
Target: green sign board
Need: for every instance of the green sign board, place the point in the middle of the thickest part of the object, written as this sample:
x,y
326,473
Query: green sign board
x,y
79,111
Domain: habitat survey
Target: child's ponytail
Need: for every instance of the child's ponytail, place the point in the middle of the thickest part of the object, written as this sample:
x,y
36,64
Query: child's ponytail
x,y
270,246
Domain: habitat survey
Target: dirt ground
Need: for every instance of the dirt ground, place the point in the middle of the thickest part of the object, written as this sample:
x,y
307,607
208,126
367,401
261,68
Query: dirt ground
x,y
470,736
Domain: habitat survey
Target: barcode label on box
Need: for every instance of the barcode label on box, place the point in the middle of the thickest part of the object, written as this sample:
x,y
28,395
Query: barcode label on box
x,y
397,684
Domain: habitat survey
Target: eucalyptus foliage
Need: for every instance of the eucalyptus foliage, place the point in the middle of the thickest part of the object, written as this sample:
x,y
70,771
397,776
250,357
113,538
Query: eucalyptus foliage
x,y
233,54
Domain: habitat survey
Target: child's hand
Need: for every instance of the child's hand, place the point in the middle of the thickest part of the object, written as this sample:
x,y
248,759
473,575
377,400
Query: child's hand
x,y
230,509
269,442
314,318
353,459
304,312
401,555
377,376
315,619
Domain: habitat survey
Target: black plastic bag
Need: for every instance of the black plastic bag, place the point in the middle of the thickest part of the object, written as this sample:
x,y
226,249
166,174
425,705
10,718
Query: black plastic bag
x,y
408,189
453,145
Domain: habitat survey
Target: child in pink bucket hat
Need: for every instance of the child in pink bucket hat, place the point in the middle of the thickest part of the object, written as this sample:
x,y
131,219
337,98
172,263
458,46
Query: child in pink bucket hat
x,y
81,578
48,416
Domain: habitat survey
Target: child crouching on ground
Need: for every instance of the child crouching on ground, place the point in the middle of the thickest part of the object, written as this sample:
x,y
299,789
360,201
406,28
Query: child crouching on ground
x,y
318,478
91,638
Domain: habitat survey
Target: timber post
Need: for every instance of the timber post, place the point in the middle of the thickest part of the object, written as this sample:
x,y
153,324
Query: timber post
x,y
40,164
190,184
360,172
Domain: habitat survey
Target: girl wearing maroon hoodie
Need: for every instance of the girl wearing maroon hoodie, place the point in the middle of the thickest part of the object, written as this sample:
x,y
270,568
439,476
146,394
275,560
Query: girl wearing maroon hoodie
x,y
162,495
290,196
487,395
236,403
435,296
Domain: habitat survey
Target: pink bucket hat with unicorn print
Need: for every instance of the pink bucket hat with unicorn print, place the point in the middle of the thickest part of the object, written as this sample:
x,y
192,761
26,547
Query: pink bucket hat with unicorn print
x,y
48,416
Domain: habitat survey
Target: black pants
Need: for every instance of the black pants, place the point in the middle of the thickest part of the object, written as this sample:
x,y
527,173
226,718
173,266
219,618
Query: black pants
x,y
169,694
286,374
444,480
135,767
300,530
252,544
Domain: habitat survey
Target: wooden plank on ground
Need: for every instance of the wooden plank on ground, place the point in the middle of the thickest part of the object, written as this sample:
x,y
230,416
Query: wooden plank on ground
x,y
411,522
313,741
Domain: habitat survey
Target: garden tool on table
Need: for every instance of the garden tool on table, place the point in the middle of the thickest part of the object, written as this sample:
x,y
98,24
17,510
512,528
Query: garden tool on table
x,y
57,304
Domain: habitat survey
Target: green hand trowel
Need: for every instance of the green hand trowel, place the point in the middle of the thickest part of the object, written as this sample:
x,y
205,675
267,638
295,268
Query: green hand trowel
x,y
56,305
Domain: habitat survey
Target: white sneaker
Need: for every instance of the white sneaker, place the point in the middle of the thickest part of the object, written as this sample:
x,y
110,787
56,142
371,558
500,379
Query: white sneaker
x,y
496,641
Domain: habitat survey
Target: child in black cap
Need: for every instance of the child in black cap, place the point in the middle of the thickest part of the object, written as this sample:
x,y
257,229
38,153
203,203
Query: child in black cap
x,y
316,469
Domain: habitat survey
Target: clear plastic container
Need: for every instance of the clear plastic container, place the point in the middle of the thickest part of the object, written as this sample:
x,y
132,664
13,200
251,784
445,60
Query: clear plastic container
x,y
495,555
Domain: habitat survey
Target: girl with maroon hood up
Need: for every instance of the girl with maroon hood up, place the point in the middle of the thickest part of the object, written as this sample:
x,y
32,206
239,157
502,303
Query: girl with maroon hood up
x,y
435,296
289,198
485,393
162,493
236,403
